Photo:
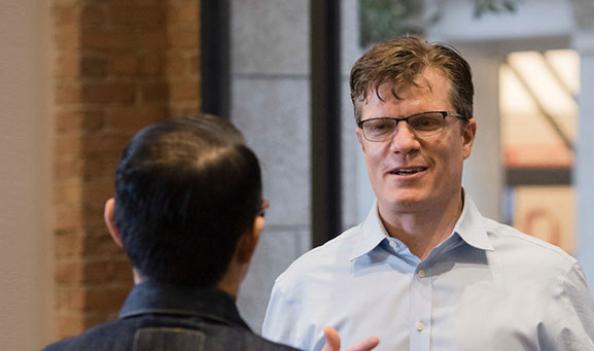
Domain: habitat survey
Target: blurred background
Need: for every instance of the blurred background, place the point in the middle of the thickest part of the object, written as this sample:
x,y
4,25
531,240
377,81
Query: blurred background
x,y
79,77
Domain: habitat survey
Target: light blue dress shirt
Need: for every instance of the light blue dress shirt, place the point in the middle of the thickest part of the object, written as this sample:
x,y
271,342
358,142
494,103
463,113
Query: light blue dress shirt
x,y
487,287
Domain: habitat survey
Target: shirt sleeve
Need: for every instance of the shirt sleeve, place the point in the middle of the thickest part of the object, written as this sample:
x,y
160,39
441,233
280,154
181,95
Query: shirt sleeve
x,y
284,321
571,316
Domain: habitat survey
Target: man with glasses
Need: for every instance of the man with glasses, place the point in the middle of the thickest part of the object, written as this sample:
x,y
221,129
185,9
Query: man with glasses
x,y
425,271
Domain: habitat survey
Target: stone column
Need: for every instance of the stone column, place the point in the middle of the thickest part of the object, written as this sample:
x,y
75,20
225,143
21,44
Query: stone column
x,y
583,175
584,155
483,172
270,103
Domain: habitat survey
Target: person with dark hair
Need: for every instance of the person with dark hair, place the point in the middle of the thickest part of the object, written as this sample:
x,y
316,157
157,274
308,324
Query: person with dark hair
x,y
425,270
188,212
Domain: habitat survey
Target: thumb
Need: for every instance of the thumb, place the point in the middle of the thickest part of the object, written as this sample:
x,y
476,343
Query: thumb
x,y
332,339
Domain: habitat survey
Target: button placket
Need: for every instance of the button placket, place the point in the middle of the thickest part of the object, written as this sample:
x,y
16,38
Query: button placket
x,y
421,306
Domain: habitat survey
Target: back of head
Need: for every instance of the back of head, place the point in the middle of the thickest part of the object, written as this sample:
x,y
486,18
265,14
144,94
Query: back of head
x,y
400,61
186,190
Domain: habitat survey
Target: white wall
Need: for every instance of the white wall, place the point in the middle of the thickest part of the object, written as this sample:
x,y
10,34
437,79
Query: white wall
x,y
25,236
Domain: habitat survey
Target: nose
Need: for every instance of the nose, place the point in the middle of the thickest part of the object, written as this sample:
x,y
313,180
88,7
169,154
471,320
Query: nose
x,y
404,139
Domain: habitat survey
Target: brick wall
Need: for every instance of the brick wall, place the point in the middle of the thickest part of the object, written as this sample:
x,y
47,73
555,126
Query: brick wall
x,y
119,65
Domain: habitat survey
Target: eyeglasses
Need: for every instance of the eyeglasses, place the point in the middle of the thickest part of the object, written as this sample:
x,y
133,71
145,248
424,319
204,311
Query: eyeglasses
x,y
423,124
263,206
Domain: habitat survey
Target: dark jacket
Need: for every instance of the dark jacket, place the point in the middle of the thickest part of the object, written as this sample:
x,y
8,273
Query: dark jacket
x,y
161,317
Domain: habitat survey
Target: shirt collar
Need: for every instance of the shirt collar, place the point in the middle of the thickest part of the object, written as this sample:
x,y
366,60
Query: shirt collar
x,y
155,298
469,228
373,233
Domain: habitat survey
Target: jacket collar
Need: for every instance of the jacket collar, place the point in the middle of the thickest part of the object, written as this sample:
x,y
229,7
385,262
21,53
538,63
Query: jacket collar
x,y
156,298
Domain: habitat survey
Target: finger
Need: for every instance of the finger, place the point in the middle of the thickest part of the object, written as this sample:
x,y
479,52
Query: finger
x,y
367,344
332,339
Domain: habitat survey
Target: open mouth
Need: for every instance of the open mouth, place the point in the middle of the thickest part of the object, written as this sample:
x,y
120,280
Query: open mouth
x,y
407,171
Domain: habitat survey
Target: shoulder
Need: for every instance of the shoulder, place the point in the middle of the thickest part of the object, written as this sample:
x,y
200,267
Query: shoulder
x,y
113,335
527,253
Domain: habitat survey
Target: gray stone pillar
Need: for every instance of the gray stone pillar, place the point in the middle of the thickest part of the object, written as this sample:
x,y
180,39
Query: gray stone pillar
x,y
483,172
354,174
270,103
584,155
583,172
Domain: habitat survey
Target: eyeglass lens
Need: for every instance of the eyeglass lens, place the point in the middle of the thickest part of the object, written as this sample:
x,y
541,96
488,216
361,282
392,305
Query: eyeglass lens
x,y
424,124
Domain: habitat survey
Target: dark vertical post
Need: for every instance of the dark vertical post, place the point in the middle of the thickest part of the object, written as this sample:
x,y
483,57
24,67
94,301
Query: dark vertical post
x,y
325,120
215,59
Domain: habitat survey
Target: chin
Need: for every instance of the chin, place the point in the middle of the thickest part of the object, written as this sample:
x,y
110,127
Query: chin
x,y
406,201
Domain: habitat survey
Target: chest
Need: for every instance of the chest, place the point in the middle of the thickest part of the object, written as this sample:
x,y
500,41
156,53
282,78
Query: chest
x,y
445,306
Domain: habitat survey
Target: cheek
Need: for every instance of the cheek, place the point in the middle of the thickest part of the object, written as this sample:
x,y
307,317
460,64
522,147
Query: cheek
x,y
374,157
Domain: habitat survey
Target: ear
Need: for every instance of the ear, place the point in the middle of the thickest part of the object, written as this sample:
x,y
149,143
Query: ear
x,y
468,135
109,216
360,138
249,240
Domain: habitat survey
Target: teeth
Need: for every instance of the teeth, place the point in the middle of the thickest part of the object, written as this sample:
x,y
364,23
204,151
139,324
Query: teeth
x,y
407,171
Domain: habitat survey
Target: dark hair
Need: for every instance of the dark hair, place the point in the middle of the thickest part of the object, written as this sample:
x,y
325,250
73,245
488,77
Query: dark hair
x,y
186,190
400,61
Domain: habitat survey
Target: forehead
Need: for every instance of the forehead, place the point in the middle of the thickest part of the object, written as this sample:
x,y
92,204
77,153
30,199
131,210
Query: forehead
x,y
430,91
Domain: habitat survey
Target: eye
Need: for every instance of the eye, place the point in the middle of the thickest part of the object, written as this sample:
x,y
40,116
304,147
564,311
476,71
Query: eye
x,y
379,126
426,122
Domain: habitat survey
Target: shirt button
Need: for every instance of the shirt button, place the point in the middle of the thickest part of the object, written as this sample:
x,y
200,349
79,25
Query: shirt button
x,y
420,326
422,274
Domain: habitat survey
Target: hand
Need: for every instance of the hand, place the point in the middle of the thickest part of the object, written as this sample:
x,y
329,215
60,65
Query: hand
x,y
333,342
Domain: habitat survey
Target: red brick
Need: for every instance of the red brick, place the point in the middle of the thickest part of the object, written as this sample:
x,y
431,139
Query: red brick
x,y
67,219
103,244
125,64
92,216
139,17
108,92
64,14
117,62
70,298
93,16
106,298
78,121
68,271
185,108
110,269
132,118
68,243
97,191
186,37
110,144
152,65
67,93
93,67
68,66
67,37
100,165
184,90
193,62
68,193
154,92
67,168
176,64
183,12
68,146
70,323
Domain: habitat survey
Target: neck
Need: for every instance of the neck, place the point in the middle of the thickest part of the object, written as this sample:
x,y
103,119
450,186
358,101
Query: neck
x,y
231,281
424,229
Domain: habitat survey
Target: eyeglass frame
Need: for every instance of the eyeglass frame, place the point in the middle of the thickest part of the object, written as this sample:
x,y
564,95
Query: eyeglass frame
x,y
444,114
